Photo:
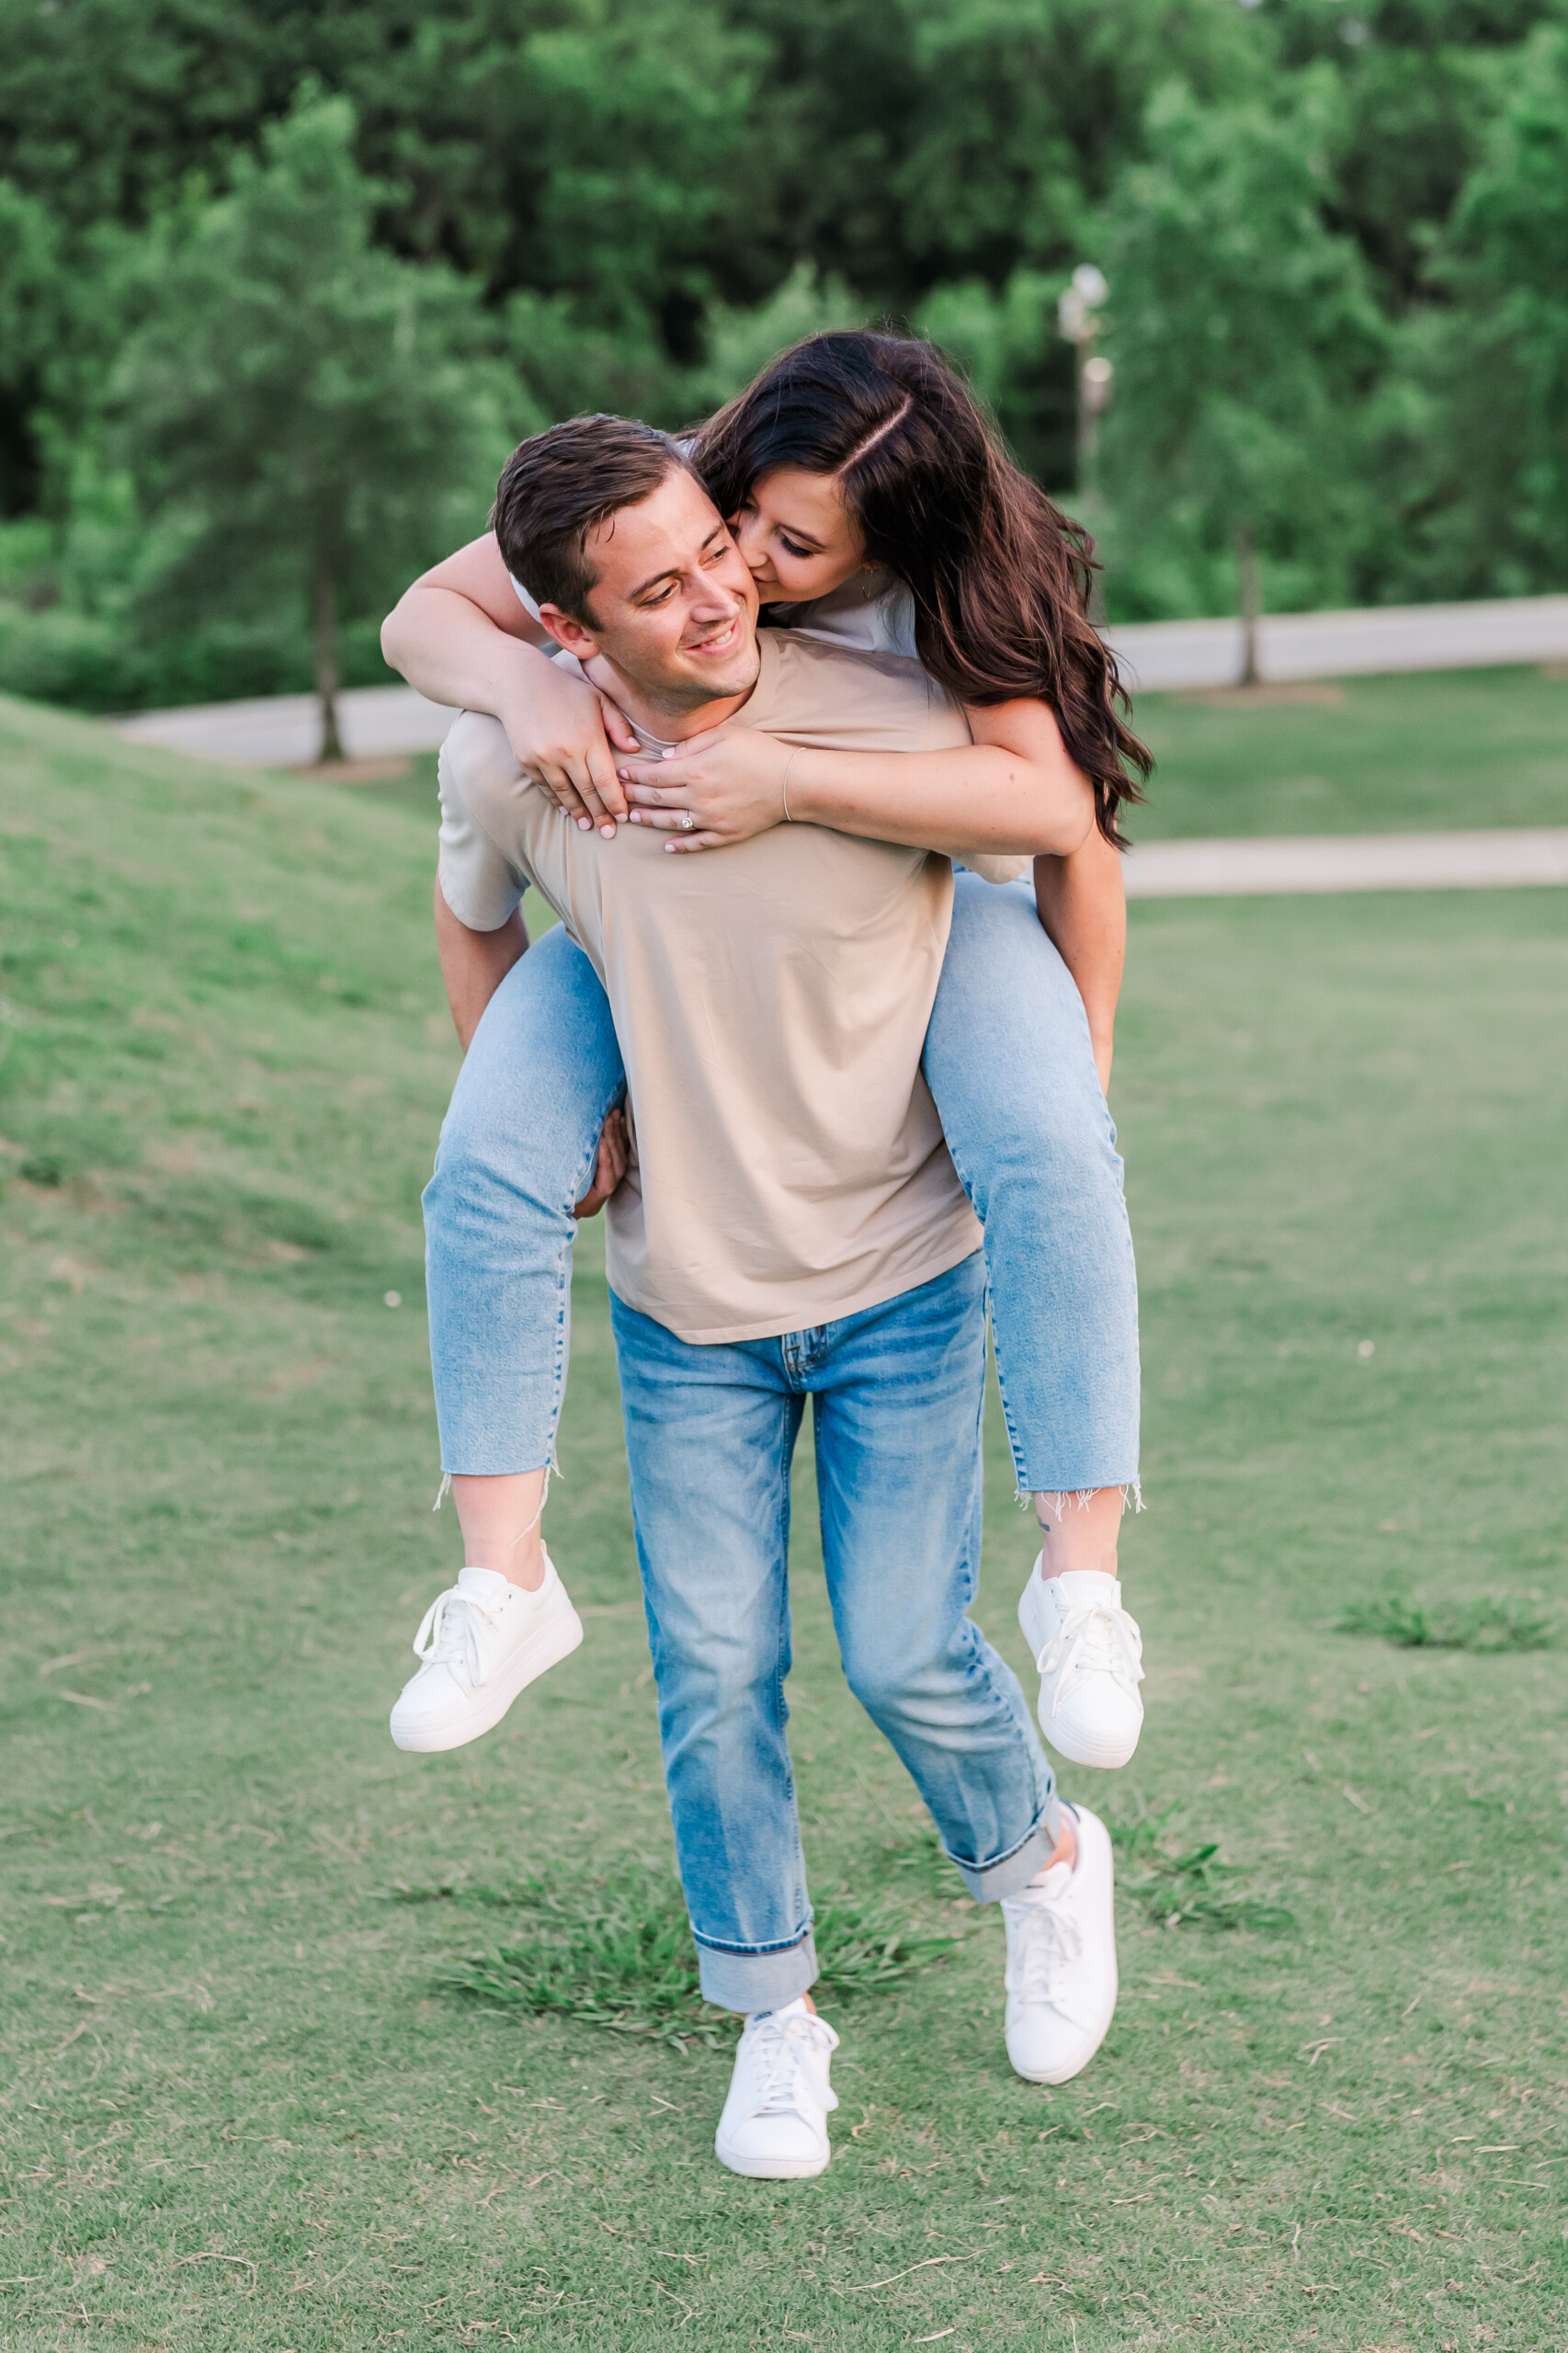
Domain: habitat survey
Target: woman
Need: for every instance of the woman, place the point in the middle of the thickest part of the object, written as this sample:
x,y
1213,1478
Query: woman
x,y
871,505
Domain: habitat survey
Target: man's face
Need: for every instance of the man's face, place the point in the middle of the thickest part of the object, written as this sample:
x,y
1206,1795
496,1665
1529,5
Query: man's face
x,y
673,605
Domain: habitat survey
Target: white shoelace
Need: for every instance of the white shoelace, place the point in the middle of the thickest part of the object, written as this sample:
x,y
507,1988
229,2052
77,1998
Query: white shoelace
x,y
1044,1939
778,2047
1092,1640
449,1632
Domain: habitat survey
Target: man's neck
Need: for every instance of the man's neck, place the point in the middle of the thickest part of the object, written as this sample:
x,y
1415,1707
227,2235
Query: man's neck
x,y
672,722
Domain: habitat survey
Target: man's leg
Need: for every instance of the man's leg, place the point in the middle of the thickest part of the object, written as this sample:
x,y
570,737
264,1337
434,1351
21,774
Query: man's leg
x,y
710,1433
898,1393
516,1148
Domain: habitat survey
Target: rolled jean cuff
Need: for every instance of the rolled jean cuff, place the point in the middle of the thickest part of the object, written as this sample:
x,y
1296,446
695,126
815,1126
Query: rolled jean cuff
x,y
989,1883
756,1981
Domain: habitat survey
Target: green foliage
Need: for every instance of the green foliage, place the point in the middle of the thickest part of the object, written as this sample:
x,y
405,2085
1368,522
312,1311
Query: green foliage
x,y
1490,1624
311,414
1245,340
1334,235
620,1955
1488,426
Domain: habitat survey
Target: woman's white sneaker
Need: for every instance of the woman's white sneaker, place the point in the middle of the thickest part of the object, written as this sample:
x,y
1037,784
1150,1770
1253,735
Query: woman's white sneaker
x,y
481,1643
1061,1961
774,2121
1090,1658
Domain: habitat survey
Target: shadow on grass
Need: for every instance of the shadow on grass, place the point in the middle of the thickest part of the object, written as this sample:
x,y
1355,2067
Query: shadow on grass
x,y
1490,1625
620,1954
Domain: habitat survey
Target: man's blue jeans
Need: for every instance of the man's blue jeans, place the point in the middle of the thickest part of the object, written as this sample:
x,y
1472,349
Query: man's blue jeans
x,y
1009,1062
711,1431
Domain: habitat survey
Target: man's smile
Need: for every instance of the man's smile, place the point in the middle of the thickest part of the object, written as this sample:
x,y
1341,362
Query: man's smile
x,y
722,639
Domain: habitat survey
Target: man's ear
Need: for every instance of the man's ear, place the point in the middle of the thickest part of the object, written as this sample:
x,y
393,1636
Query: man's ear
x,y
569,633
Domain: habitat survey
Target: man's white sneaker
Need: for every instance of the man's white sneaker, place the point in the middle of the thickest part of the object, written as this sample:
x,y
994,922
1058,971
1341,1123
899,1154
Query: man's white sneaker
x,y
774,2121
1090,1657
1061,1961
482,1642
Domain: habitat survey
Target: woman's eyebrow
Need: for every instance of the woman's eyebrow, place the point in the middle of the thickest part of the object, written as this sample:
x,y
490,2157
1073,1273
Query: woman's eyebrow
x,y
793,531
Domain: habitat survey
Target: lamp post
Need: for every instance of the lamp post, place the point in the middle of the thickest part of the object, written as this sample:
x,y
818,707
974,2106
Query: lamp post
x,y
1077,314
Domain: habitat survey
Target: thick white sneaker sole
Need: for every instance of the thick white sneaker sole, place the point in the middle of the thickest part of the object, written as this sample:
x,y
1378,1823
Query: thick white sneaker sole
x,y
1098,1721
770,2168
549,1643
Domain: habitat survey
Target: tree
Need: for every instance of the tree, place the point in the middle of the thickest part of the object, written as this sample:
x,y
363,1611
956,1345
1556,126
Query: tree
x,y
315,416
1245,342
1488,496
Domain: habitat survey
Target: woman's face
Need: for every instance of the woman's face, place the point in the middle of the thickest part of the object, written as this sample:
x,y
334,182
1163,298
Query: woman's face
x,y
798,537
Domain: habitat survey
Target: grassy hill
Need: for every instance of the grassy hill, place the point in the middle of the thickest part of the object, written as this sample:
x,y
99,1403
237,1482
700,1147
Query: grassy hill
x,y
241,2101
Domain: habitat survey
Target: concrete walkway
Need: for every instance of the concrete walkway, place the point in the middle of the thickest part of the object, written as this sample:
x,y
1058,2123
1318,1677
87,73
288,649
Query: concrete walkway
x,y
284,731
1291,865
1159,655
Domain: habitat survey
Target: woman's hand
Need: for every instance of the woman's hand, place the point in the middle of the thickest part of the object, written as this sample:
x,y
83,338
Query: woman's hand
x,y
564,734
719,787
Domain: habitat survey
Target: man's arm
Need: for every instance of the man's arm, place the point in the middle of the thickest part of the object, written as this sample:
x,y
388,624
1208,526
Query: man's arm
x,y
474,963
1082,905
462,638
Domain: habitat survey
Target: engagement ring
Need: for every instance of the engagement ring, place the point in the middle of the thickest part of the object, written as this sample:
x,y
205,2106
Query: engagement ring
x,y
687,823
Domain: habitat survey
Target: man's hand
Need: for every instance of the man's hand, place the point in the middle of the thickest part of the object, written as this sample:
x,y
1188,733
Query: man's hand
x,y
562,734
609,1165
719,787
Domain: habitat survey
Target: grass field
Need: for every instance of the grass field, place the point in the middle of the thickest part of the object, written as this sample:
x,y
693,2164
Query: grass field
x,y
241,2104
1390,755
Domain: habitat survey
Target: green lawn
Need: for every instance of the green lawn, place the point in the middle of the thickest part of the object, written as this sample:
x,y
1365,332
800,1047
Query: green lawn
x,y
239,2107
1395,754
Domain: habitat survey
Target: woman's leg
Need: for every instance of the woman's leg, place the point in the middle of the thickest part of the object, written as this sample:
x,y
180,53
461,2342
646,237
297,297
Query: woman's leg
x,y
1009,1061
517,1153
1010,1066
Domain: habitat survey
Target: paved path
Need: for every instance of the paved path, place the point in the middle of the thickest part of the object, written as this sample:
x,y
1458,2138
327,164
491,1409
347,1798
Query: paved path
x,y
1284,866
284,731
1164,654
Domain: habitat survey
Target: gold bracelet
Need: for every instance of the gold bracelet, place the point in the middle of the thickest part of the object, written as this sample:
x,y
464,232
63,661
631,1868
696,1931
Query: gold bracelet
x,y
787,765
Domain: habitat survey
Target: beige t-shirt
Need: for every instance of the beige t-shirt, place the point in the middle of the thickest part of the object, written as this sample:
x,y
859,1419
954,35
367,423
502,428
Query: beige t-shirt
x,y
771,1001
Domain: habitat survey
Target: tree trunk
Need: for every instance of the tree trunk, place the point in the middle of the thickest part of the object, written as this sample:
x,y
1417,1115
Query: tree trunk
x,y
1246,564
326,659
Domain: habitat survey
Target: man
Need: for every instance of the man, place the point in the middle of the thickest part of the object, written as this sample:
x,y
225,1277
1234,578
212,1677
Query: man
x,y
790,1225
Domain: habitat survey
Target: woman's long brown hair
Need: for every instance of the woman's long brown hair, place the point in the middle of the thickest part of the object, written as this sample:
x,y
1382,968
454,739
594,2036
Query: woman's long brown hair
x,y
1000,579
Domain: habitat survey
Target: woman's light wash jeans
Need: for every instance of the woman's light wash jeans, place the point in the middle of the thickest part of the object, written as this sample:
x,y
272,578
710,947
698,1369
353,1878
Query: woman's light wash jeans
x,y
711,1430
1009,1062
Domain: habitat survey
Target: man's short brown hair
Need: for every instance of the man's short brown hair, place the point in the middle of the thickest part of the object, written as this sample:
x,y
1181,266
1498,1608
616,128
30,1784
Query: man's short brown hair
x,y
559,485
